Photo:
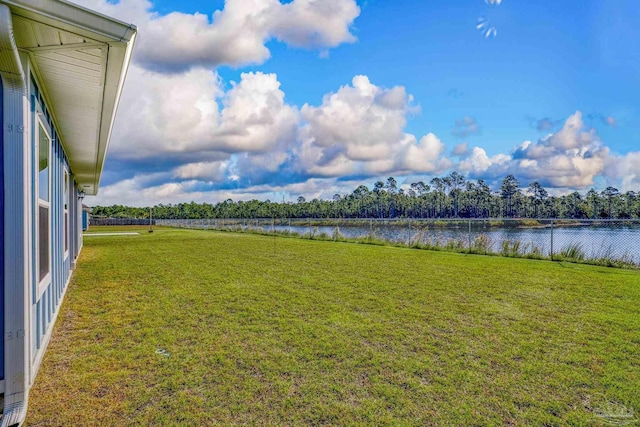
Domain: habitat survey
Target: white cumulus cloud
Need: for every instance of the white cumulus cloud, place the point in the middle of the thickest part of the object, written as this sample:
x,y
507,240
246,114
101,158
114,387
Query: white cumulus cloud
x,y
624,171
162,114
360,130
236,35
189,116
569,158
362,119
208,171
426,156
255,116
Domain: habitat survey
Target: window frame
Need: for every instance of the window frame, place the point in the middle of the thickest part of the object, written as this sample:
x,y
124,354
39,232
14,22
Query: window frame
x,y
42,125
66,196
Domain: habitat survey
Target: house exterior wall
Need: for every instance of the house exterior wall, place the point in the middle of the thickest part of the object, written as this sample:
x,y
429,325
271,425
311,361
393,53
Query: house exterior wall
x,y
30,305
46,296
40,195
16,225
1,231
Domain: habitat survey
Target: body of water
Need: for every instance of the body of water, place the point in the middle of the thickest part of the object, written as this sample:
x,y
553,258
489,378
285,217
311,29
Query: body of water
x,y
620,242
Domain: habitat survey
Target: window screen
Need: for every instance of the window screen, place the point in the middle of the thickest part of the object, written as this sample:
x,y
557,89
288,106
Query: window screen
x,y
66,231
43,241
43,164
66,210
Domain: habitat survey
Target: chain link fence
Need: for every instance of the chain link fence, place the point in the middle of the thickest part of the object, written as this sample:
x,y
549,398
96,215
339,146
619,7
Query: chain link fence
x,y
120,221
606,242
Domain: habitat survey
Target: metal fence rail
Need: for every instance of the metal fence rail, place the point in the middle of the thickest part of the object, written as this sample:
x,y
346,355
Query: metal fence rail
x,y
607,242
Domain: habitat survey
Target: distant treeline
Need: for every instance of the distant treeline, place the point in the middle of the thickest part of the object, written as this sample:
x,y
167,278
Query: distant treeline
x,y
452,196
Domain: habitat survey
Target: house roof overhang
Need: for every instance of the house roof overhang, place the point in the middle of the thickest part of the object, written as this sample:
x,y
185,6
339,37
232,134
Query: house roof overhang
x,y
80,58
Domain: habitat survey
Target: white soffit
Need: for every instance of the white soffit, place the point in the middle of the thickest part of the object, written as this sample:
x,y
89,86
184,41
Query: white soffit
x,y
81,68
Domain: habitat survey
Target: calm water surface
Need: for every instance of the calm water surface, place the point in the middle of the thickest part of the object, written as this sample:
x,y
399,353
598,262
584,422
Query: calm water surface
x,y
612,240
616,241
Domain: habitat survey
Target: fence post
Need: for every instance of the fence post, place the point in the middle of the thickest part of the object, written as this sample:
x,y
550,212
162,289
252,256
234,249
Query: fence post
x,y
551,249
469,235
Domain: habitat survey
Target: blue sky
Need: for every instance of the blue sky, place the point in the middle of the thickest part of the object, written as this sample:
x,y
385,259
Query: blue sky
x,y
267,99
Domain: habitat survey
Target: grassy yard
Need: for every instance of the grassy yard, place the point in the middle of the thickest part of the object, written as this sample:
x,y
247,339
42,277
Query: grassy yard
x,y
198,328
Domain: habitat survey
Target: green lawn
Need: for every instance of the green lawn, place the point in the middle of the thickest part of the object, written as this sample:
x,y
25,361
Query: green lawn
x,y
197,328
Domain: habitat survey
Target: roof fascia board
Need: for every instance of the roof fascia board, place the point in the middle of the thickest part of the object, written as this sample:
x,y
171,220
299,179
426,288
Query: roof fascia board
x,y
73,18
114,83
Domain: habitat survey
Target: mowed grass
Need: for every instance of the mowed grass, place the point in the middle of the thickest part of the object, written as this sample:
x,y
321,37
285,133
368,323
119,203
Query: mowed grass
x,y
193,328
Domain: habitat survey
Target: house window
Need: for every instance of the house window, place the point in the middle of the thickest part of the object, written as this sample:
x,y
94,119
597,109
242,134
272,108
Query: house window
x,y
43,241
44,196
66,213
43,167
